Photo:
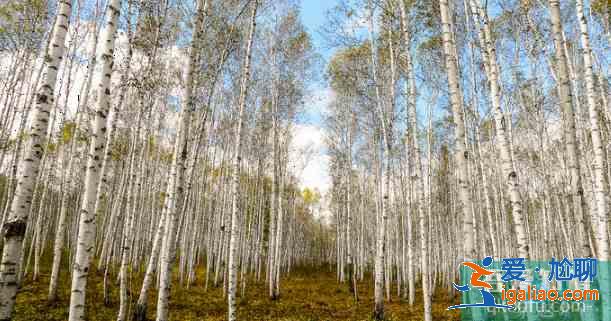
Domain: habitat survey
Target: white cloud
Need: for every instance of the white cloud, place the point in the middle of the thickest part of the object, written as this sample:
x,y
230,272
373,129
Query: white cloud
x,y
316,174
308,135
309,160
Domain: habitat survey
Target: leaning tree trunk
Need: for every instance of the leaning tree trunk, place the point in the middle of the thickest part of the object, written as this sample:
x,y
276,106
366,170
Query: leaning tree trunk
x,y
141,305
87,220
600,184
601,191
235,173
68,179
176,185
15,226
507,165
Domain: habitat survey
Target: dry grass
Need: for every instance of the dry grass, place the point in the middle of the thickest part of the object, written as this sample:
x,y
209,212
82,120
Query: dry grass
x,y
305,296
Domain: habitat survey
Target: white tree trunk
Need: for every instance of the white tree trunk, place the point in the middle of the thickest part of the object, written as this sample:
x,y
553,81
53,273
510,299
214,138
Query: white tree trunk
x,y
235,172
275,181
569,126
600,185
380,247
141,306
507,165
134,184
68,181
175,187
461,154
601,191
418,173
87,220
15,226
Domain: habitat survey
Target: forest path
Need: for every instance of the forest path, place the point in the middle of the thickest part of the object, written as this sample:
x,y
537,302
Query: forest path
x,y
305,296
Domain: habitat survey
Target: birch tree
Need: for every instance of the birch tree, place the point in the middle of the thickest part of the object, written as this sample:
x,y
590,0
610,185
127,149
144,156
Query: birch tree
x,y
235,174
601,190
175,190
461,153
173,206
565,97
505,152
387,149
14,227
87,219
599,161
414,147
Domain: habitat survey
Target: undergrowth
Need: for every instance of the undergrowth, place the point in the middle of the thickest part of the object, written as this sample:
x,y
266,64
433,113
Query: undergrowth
x,y
307,295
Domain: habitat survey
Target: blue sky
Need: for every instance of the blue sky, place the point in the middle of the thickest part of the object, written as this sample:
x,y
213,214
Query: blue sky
x,y
313,16
309,135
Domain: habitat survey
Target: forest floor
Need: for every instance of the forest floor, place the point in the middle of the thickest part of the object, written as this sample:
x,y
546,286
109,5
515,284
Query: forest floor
x,y
305,296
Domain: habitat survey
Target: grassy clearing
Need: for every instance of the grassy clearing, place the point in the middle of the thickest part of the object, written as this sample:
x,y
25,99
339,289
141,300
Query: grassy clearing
x,y
305,296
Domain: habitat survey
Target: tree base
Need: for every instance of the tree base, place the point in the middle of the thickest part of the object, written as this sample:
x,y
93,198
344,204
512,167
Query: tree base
x,y
140,312
378,313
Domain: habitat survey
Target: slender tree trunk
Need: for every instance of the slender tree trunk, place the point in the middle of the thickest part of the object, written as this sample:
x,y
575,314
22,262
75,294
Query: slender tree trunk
x,y
175,190
349,212
135,184
600,164
15,226
600,189
67,184
275,199
461,154
418,173
569,125
87,221
380,252
507,165
235,173
141,305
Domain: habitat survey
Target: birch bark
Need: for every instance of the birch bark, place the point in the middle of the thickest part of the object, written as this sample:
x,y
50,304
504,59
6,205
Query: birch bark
x,y
87,220
569,126
461,154
175,191
600,187
235,173
380,240
507,165
14,227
